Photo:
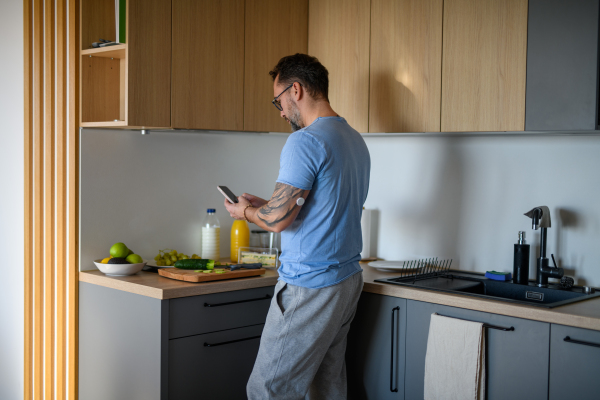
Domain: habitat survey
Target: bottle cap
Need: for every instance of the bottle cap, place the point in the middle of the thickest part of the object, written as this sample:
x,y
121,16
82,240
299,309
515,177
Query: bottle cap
x,y
210,210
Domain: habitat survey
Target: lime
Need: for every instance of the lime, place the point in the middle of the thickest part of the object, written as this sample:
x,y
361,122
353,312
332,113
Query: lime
x,y
130,252
134,259
119,250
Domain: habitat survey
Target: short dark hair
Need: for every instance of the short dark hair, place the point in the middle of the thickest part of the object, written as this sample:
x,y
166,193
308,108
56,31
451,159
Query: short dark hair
x,y
306,70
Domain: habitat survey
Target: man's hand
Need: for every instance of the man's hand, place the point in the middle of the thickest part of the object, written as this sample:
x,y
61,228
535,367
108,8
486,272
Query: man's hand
x,y
236,210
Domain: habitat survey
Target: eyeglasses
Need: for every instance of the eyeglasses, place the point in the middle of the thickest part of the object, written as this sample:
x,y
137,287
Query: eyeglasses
x,y
276,102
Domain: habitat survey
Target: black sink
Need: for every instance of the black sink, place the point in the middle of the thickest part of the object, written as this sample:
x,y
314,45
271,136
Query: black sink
x,y
462,283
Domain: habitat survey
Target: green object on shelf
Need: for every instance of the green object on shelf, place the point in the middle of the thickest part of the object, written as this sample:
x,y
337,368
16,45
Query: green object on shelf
x,y
498,273
122,21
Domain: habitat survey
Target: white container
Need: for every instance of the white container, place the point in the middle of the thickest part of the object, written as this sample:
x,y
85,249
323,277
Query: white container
x,y
211,236
365,224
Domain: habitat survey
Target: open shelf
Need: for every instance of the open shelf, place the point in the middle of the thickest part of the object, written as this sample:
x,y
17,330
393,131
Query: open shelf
x,y
103,87
117,51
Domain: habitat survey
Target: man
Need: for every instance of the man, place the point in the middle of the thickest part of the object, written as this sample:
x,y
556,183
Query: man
x,y
317,204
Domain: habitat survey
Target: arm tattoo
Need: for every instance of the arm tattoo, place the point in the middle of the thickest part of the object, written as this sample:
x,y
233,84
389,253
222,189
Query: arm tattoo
x,y
281,205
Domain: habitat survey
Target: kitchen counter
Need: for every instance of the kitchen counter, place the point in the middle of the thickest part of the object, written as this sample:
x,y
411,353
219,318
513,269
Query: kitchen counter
x,y
151,284
583,314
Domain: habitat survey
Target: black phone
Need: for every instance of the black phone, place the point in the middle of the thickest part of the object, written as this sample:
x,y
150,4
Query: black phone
x,y
228,194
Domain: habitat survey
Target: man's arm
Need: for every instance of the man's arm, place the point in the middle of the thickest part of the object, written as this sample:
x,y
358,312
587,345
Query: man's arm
x,y
277,214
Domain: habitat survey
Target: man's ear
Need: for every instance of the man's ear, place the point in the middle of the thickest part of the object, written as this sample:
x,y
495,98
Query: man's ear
x,y
298,91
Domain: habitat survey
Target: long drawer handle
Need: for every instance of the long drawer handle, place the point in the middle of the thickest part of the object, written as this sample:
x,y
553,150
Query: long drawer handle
x,y
268,296
568,339
500,328
392,389
229,342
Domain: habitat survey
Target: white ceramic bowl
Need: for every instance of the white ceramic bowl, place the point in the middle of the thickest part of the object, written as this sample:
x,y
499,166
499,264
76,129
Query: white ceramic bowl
x,y
119,269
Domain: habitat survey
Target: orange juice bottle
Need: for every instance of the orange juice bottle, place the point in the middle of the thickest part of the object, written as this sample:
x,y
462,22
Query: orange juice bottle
x,y
240,237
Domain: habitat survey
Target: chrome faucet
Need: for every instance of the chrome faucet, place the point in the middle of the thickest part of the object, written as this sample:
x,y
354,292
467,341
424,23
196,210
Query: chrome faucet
x,y
540,219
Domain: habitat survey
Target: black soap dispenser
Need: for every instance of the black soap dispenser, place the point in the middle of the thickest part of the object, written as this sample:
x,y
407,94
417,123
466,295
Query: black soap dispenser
x,y
521,261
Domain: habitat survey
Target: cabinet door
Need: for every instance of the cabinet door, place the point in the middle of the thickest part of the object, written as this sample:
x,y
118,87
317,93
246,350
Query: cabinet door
x,y
338,35
562,65
208,64
484,65
374,370
406,65
274,29
213,366
516,361
574,366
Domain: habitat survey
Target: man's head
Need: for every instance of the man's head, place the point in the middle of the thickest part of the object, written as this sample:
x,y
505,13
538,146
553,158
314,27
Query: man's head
x,y
298,79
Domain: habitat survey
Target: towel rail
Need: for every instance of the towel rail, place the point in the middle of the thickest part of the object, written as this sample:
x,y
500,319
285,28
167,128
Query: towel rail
x,y
485,325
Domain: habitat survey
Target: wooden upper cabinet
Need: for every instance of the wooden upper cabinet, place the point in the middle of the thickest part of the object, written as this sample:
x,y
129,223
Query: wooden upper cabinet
x,y
149,63
338,35
208,65
484,65
406,65
274,29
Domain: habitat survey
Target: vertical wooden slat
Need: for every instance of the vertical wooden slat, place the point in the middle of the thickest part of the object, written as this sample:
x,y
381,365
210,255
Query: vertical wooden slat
x,y
28,206
73,199
49,190
61,201
38,191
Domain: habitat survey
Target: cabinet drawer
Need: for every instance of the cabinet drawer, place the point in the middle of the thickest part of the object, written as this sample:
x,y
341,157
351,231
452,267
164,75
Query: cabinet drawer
x,y
214,365
220,311
574,364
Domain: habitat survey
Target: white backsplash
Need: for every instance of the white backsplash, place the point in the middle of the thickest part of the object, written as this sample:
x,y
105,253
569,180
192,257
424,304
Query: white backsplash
x,y
459,197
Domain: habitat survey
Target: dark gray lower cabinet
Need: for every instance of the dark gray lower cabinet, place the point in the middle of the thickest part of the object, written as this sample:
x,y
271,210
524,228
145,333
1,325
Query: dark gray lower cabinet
x,y
516,361
137,347
375,369
214,365
574,363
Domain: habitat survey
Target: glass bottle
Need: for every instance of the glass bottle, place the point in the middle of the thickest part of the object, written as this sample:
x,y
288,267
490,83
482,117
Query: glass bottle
x,y
211,236
240,237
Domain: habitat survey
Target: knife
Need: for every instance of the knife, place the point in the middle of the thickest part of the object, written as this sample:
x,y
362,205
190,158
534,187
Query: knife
x,y
247,266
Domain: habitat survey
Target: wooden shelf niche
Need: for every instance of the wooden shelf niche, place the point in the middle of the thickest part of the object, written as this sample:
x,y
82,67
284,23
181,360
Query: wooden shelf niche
x,y
104,86
126,85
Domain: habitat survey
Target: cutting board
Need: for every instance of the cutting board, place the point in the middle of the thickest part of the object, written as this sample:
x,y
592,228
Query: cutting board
x,y
191,276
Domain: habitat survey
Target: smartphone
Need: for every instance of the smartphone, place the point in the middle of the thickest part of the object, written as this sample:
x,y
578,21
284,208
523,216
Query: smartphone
x,y
228,194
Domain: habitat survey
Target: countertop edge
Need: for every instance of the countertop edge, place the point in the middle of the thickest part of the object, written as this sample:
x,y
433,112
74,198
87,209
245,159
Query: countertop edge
x,y
489,306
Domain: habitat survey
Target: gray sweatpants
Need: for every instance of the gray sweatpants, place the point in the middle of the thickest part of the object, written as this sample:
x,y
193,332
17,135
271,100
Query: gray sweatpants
x,y
303,343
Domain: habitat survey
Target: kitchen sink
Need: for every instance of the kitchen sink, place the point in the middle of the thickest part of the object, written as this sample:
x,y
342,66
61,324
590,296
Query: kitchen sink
x,y
475,285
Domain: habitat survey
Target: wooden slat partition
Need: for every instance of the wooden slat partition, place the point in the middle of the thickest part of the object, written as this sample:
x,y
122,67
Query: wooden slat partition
x,y
73,200
51,169
28,198
61,201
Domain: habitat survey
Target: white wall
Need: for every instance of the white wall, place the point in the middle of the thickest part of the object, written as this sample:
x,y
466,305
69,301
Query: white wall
x,y
152,191
459,197
11,200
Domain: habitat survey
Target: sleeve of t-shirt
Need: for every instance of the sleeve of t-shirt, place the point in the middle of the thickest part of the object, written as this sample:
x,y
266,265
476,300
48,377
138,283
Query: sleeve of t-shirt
x,y
301,160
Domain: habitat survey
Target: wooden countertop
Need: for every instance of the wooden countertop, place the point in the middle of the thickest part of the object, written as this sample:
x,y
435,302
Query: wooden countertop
x,y
583,314
153,285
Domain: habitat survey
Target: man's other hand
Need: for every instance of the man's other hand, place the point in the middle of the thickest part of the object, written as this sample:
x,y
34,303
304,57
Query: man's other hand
x,y
255,200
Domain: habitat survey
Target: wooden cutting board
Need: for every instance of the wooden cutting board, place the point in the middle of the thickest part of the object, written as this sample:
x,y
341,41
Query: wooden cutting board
x,y
191,276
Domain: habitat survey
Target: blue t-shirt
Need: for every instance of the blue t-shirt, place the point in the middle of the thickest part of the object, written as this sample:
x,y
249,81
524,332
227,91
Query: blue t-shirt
x,y
322,246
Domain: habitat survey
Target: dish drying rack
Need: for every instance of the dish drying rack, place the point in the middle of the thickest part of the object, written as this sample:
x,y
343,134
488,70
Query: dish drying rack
x,y
416,270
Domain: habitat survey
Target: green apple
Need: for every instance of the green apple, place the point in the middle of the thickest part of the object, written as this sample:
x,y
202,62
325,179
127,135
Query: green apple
x,y
134,259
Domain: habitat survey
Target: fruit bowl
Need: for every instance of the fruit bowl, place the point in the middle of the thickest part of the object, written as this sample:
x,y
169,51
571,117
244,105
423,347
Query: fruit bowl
x,y
119,269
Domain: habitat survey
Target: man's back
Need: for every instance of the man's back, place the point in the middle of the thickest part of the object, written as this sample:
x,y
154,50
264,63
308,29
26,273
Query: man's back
x,y
322,246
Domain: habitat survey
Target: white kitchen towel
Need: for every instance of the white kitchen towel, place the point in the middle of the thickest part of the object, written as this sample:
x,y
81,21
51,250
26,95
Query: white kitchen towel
x,y
455,360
